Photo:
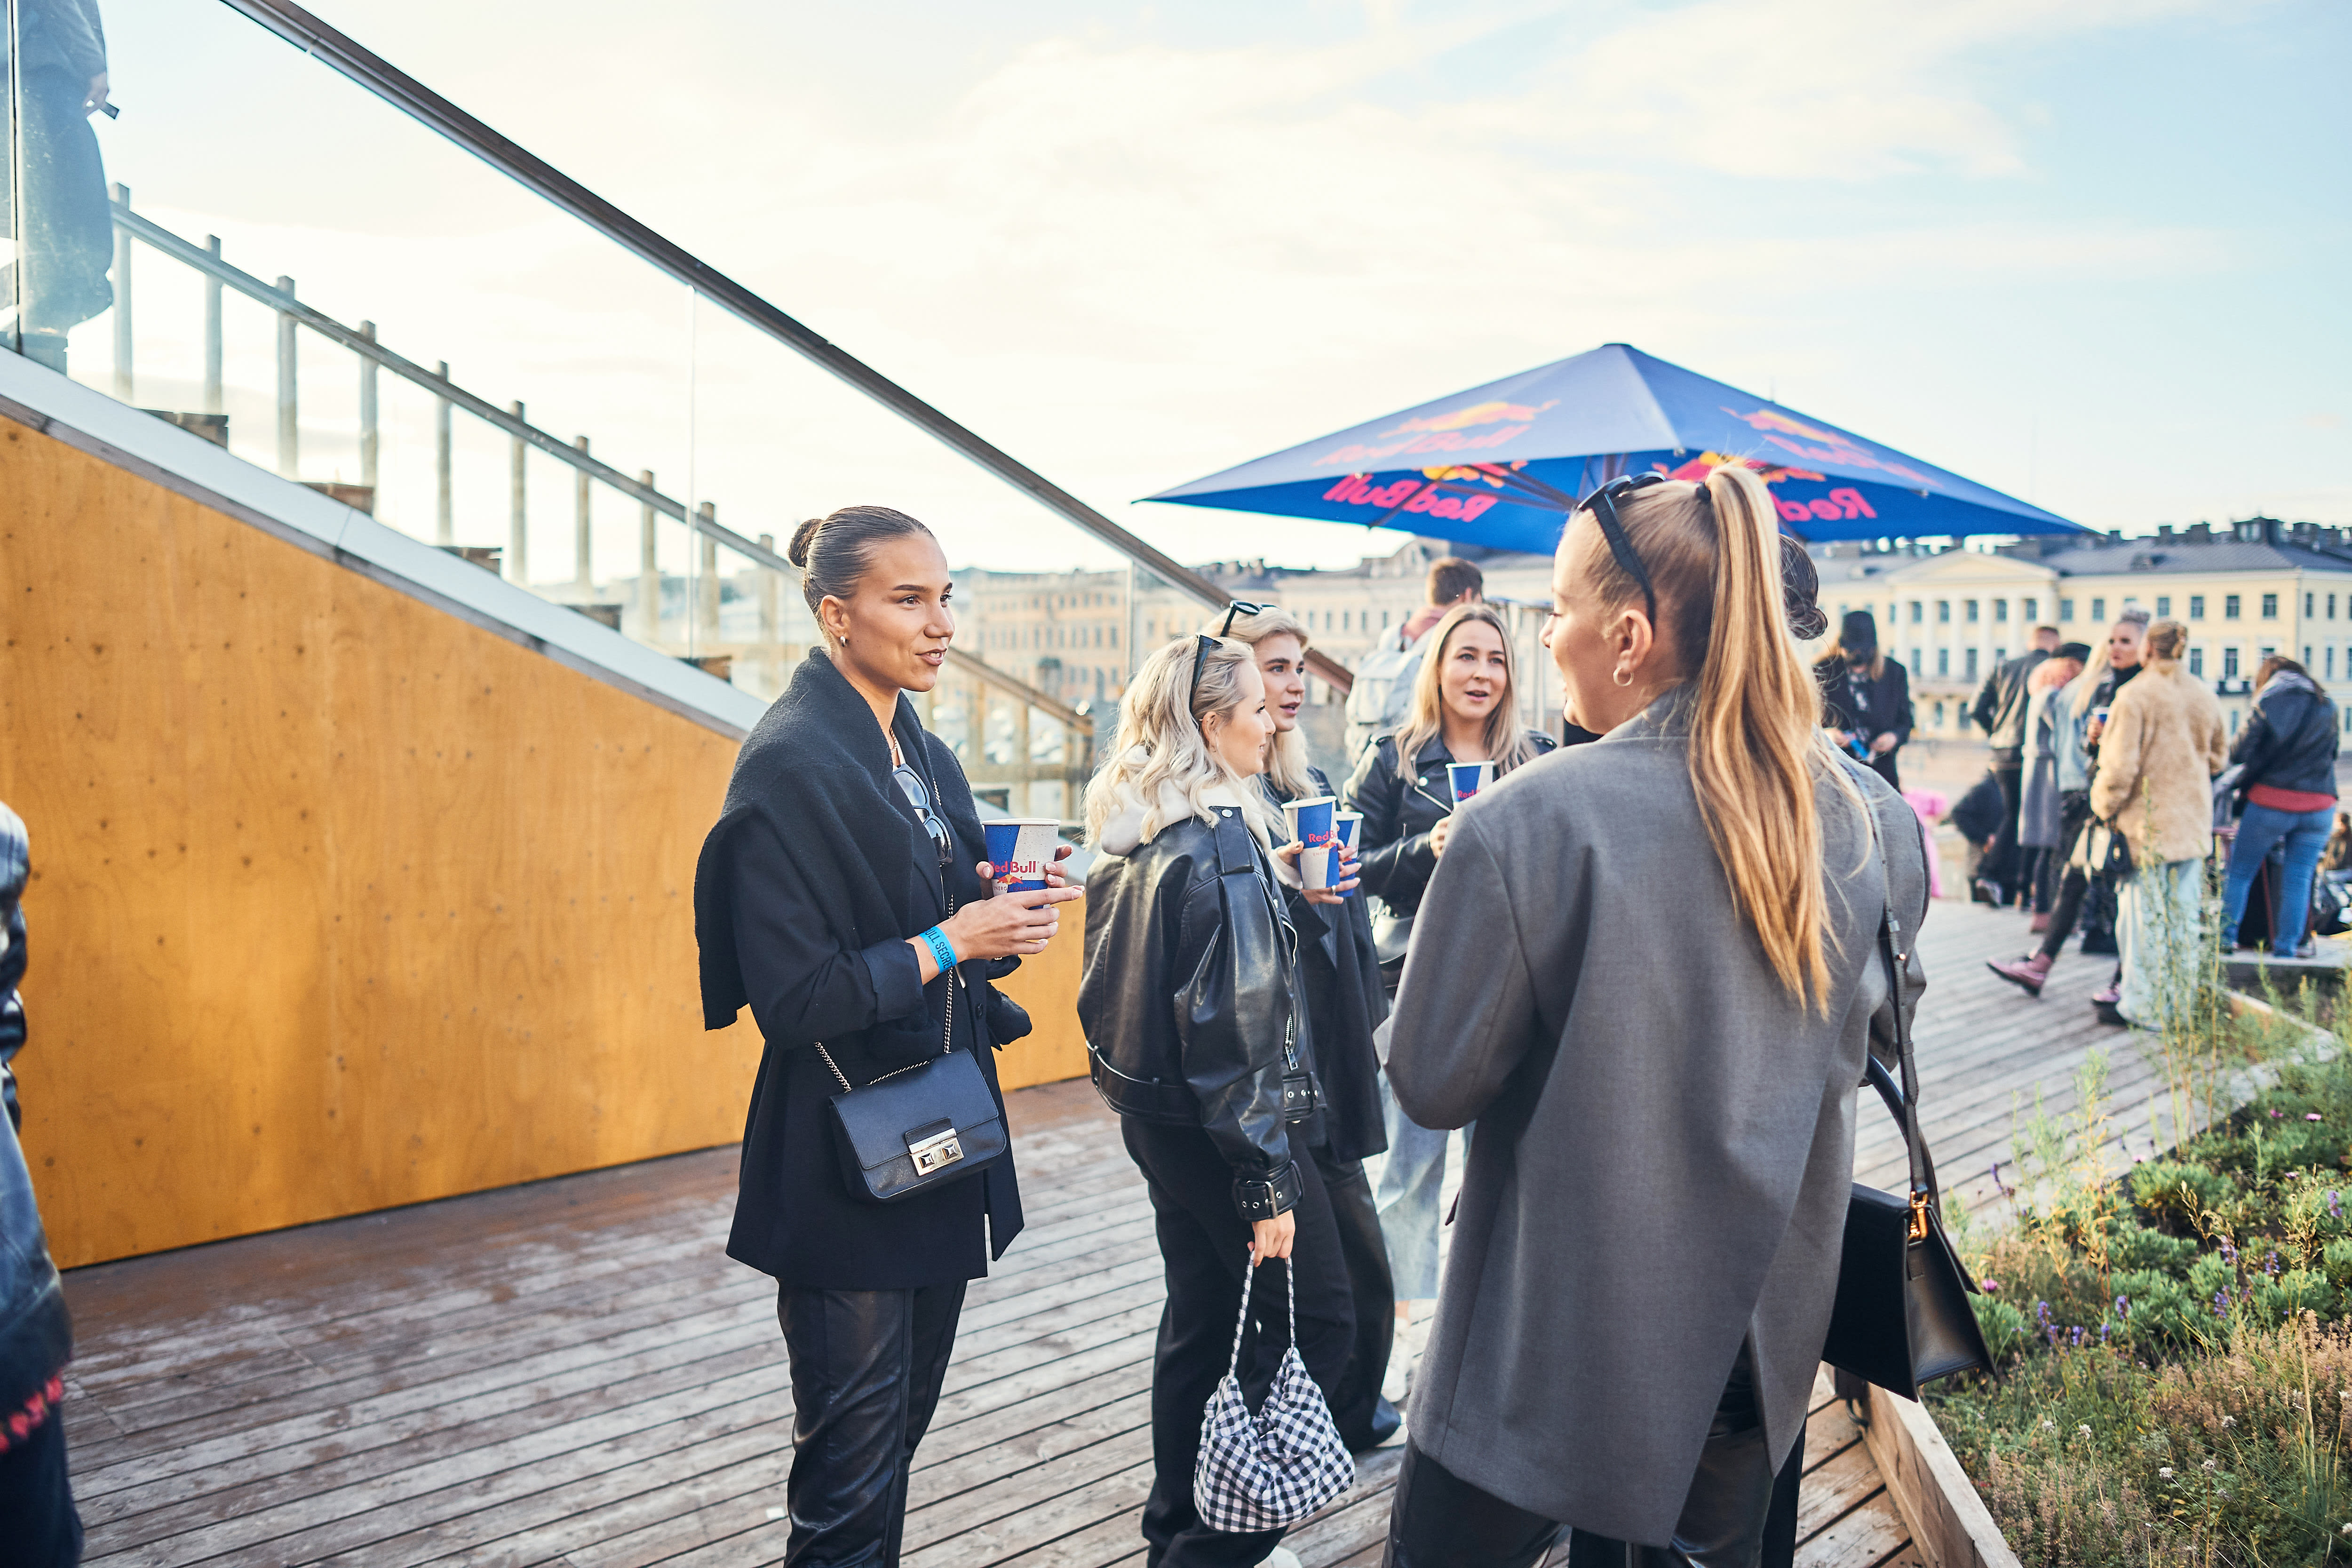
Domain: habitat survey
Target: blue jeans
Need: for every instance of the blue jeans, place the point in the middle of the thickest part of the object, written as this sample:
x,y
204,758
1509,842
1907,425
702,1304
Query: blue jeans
x,y
2262,826
1412,1181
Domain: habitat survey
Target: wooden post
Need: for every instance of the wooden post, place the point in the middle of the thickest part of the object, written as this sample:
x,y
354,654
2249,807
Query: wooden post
x,y
213,402
445,521
583,573
368,442
648,570
122,377
705,584
518,522
289,431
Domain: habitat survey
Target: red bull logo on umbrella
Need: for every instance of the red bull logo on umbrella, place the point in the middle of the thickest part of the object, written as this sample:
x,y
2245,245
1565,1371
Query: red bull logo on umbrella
x,y
1437,433
1839,451
1414,494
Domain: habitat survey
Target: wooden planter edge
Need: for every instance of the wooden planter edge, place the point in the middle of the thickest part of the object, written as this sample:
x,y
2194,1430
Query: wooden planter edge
x,y
1949,1524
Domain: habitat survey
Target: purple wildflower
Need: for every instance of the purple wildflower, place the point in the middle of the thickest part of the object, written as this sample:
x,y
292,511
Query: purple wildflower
x,y
2122,1306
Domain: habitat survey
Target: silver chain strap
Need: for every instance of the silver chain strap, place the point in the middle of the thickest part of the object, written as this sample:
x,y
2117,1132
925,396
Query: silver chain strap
x,y
947,1040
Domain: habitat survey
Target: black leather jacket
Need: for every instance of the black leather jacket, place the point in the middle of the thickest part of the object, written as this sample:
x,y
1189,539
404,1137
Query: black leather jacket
x,y
2000,710
1394,860
2289,741
1189,1001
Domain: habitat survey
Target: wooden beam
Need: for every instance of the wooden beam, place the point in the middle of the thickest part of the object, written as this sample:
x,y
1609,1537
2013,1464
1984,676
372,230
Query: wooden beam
x,y
1949,1524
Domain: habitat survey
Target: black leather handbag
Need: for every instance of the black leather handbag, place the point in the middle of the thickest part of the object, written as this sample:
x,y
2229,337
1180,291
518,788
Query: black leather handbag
x,y
1902,1318
916,1129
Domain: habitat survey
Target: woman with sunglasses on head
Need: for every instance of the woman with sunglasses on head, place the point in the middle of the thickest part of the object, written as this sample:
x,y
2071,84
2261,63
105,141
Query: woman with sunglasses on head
x,y
1648,1239
842,897
1194,1033
1464,710
1339,984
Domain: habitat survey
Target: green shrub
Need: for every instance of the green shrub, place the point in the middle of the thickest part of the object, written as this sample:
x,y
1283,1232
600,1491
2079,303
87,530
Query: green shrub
x,y
2182,1190
2158,1311
2005,1328
2134,1246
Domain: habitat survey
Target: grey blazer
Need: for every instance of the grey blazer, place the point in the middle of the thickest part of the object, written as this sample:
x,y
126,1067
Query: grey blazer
x,y
1666,1137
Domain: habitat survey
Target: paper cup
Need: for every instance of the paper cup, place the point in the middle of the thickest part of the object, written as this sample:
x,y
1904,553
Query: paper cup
x,y
1345,826
1021,848
1469,778
1309,821
1315,865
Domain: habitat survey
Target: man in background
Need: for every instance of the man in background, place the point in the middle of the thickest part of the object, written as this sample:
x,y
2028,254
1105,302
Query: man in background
x,y
1380,699
1999,712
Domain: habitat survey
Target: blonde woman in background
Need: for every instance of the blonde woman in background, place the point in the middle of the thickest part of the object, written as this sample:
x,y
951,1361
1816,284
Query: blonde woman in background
x,y
2162,743
1646,1247
1464,704
1193,1022
1339,984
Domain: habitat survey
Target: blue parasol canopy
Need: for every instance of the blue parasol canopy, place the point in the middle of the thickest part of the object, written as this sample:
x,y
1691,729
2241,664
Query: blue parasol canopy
x,y
1502,465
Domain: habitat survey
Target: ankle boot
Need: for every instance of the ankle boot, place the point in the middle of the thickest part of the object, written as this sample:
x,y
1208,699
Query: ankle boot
x,y
2026,973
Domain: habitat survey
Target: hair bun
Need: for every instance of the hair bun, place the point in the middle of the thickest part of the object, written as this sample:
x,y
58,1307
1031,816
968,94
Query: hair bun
x,y
1800,587
797,552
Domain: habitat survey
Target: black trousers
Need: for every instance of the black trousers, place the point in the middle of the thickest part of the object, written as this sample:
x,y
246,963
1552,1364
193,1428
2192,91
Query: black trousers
x,y
1364,1253
866,1367
2073,815
2000,865
1204,1248
38,1525
1440,1521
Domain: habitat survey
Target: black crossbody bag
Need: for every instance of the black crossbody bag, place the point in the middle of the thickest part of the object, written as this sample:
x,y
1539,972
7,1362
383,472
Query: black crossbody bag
x,y
1902,1318
921,1127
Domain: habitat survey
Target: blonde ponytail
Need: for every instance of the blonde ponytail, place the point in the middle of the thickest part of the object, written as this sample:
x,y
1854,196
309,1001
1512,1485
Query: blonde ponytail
x,y
1756,747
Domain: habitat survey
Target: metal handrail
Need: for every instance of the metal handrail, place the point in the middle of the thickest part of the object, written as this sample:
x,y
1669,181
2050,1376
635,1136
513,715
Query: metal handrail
x,y
315,37
208,262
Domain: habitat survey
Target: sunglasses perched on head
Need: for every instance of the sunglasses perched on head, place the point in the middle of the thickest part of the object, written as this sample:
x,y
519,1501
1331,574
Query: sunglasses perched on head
x,y
1239,607
1602,504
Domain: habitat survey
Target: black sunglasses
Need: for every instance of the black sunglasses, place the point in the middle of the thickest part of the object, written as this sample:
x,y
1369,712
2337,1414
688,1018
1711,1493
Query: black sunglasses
x,y
1239,607
911,784
1602,504
1203,645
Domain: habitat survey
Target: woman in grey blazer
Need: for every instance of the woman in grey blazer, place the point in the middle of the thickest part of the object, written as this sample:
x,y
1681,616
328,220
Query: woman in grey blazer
x,y
1648,968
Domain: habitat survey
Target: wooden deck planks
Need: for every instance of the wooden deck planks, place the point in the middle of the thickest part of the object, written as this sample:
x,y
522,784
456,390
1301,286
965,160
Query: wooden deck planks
x,y
573,1373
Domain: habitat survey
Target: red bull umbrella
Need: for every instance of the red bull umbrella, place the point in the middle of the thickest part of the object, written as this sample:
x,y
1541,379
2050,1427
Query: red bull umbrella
x,y
1502,465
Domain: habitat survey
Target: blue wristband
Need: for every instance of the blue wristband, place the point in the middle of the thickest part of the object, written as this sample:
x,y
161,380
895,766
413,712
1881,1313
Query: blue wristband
x,y
942,948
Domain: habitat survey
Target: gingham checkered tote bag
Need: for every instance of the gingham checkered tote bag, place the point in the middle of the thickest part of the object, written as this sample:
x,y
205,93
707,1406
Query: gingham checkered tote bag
x,y
1269,1470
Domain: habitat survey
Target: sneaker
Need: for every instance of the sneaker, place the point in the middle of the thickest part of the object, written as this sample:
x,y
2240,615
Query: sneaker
x,y
2109,1005
2026,973
1984,892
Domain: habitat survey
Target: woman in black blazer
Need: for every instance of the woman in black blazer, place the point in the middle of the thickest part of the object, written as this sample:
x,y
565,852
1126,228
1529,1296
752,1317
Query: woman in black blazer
x,y
842,896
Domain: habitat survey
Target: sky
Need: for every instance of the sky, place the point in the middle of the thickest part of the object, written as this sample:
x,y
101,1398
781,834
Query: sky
x,y
2093,255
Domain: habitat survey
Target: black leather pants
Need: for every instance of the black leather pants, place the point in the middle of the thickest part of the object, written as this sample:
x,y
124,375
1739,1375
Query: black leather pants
x,y
1440,1521
866,1367
1363,1417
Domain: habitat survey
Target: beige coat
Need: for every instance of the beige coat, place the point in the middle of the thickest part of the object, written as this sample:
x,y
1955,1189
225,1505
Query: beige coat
x,y
2163,743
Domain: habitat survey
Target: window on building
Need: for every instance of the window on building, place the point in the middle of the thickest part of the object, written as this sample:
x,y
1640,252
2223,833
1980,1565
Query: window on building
x,y
2234,721
2032,609
1916,661
2164,604
1999,656
2066,610
2306,656
1970,670
1919,610
1939,715
2270,606
2001,609
1943,661
2197,662
1943,611
2306,606
2229,663
2331,664
2099,611
2228,606
2196,606
1968,609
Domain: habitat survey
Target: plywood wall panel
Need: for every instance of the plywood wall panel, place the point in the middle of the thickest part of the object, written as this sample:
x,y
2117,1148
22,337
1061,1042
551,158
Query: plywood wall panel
x,y
340,902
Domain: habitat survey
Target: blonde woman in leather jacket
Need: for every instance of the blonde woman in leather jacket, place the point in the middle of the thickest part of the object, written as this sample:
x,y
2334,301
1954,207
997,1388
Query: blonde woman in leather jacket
x,y
1190,1009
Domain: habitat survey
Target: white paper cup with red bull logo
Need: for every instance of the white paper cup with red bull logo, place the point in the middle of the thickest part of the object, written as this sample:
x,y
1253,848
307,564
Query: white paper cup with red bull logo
x,y
1345,826
1309,822
1468,778
1316,864
1021,848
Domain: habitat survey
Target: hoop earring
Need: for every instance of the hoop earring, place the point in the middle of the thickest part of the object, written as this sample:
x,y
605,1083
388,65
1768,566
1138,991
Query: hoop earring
x,y
1622,677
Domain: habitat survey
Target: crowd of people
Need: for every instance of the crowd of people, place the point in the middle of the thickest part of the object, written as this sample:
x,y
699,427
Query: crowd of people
x,y
1646,1241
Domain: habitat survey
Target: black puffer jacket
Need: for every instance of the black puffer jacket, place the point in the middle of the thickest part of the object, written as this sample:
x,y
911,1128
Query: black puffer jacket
x,y
2289,741
1394,857
1189,998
